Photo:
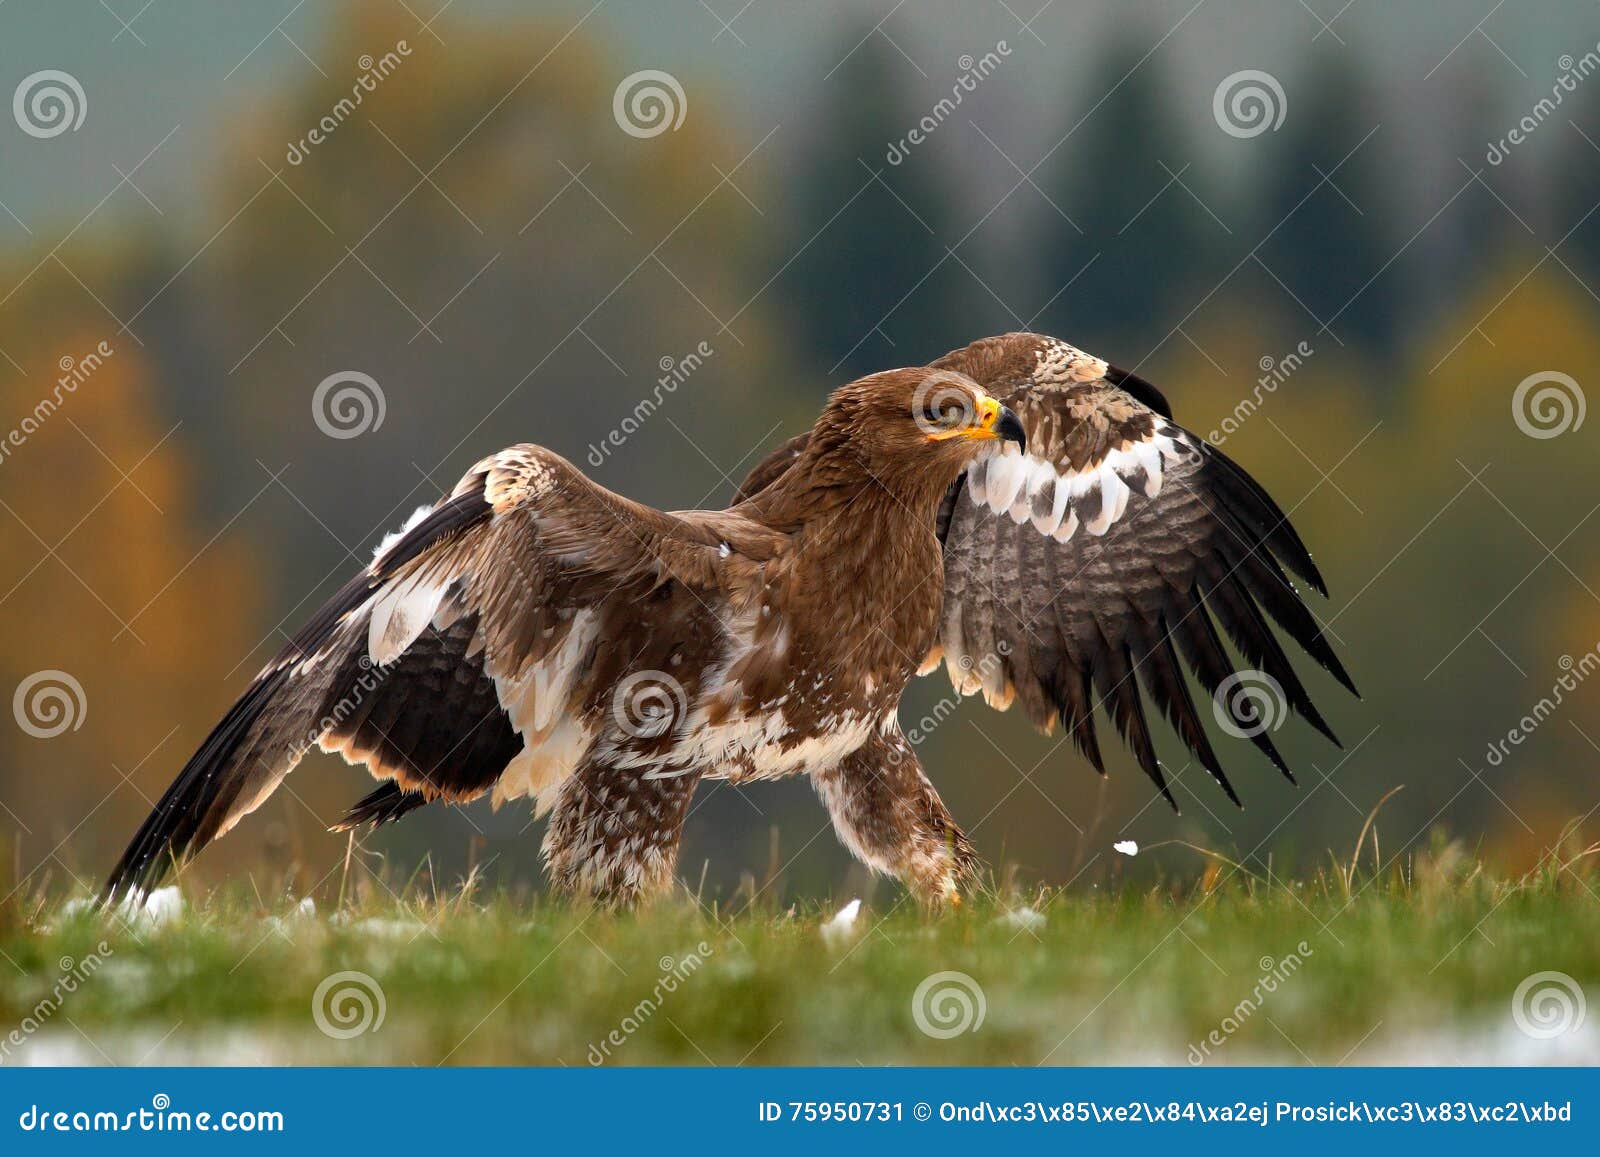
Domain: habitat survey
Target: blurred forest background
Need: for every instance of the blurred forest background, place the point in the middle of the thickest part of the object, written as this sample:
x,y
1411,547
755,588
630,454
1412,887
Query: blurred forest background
x,y
483,238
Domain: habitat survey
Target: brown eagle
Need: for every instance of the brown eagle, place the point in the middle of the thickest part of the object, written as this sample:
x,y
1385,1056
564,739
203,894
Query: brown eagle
x,y
1018,508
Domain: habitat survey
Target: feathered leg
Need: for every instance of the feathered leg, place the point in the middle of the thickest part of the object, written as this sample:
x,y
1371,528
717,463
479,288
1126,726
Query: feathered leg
x,y
888,814
614,834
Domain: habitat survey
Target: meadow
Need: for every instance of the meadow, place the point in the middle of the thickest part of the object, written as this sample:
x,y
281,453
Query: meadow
x,y
1426,958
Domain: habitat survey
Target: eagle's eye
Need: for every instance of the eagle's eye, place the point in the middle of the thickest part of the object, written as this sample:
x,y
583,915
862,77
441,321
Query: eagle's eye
x,y
944,412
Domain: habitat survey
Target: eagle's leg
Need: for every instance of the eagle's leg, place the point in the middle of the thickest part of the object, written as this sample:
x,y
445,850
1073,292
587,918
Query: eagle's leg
x,y
888,814
614,833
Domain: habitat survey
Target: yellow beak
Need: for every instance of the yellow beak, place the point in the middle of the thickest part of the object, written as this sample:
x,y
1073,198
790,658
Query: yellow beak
x,y
992,420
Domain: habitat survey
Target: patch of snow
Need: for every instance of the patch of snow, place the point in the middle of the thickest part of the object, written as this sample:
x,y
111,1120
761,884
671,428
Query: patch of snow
x,y
75,909
152,909
1024,918
842,928
302,913
387,928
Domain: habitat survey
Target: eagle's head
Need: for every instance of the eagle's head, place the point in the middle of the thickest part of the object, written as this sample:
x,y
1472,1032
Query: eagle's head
x,y
913,430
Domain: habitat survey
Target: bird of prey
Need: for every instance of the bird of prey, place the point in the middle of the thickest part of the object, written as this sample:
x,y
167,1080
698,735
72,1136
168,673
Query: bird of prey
x,y
1018,508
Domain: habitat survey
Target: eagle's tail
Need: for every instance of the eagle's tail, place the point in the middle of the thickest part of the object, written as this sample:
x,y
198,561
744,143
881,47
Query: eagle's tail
x,y
383,806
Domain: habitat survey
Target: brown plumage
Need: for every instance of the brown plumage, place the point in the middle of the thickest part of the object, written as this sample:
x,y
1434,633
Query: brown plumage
x,y
1019,510
536,635
1091,570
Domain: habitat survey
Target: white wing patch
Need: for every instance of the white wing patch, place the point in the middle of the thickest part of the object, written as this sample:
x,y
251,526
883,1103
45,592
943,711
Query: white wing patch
x,y
401,611
395,536
539,702
1057,502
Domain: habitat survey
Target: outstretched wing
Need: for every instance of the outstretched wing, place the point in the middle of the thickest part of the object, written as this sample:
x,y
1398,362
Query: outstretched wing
x,y
1094,569
1079,573
466,657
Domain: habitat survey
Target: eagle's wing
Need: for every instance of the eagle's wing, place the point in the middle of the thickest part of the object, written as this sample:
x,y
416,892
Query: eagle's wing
x,y
462,659
1077,574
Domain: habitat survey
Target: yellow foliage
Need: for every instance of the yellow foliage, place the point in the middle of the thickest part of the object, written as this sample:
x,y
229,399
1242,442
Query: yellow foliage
x,y
106,577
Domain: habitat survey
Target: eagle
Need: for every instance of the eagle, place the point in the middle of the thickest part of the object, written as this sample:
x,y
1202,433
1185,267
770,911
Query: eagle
x,y
1020,512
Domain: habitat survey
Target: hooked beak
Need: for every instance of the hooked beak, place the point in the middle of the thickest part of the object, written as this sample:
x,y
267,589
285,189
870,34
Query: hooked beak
x,y
992,421
997,421
1009,427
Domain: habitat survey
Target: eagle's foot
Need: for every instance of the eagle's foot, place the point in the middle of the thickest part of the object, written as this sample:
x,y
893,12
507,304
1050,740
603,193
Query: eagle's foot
x,y
941,865
888,814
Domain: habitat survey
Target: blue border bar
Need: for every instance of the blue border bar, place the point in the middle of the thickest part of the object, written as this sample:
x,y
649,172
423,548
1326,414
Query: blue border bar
x,y
794,1110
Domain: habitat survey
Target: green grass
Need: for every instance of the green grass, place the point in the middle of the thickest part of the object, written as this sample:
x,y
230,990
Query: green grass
x,y
1419,962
